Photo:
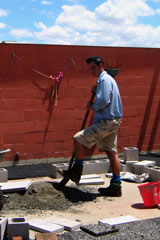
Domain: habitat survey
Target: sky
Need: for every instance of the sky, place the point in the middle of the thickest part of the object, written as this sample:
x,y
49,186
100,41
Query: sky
x,y
130,23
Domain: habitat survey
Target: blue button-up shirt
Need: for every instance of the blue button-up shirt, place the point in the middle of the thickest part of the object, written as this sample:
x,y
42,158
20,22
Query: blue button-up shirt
x,y
108,103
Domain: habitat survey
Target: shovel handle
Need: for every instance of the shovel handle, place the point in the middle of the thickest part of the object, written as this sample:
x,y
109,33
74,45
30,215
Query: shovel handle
x,y
65,180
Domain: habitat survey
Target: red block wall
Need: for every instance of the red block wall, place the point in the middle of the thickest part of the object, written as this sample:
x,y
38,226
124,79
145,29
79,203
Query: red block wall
x,y
34,126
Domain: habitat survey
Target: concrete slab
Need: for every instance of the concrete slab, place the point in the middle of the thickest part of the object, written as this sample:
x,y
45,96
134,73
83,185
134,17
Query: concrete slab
x,y
90,176
44,226
98,229
118,220
91,181
68,224
15,186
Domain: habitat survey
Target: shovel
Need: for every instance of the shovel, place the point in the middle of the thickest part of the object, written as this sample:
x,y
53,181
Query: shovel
x,y
64,181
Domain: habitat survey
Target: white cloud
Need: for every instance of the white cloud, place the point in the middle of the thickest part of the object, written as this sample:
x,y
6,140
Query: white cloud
x,y
113,23
2,25
77,17
21,33
3,13
44,2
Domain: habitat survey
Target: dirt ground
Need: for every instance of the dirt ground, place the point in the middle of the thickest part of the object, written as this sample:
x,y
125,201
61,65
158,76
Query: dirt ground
x,y
80,203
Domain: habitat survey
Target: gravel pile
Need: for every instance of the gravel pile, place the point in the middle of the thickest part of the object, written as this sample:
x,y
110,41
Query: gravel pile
x,y
44,196
141,230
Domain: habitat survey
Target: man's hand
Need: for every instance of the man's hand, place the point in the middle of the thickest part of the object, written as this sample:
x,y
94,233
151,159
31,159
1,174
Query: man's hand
x,y
89,105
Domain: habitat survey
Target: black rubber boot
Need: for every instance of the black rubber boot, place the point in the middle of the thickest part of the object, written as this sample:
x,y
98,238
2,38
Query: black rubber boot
x,y
74,173
114,190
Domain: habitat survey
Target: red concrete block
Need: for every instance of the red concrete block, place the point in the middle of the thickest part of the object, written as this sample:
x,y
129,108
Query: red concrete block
x,y
23,127
34,137
73,92
13,93
55,136
68,124
57,114
11,116
35,93
35,115
13,138
123,141
129,111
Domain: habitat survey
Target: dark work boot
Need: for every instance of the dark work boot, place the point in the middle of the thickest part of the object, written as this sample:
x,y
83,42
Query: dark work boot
x,y
114,190
74,173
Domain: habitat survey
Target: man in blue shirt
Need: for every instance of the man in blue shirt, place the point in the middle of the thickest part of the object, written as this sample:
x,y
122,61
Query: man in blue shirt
x,y
103,132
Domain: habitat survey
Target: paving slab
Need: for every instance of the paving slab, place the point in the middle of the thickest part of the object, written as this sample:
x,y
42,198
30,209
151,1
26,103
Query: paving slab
x,y
98,229
44,226
91,181
118,220
68,224
15,186
88,176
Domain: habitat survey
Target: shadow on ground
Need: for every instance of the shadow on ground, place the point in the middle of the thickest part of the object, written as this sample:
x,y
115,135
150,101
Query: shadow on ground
x,y
77,194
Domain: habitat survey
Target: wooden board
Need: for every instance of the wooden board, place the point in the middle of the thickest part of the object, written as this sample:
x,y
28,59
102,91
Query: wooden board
x,y
46,236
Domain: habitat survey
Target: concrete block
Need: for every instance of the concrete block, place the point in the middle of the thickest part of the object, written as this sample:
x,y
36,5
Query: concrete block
x,y
3,175
15,186
139,168
154,172
96,166
3,224
89,167
18,227
45,226
130,154
118,220
68,224
123,167
63,166
129,165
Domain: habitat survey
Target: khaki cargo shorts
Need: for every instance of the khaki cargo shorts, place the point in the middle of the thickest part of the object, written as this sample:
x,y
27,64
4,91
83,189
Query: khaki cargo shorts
x,y
103,133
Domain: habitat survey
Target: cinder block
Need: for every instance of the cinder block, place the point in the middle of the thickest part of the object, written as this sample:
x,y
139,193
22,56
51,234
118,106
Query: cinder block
x,y
118,220
130,154
18,227
3,175
154,172
89,167
139,168
44,226
129,165
96,166
123,167
63,166
3,224
68,224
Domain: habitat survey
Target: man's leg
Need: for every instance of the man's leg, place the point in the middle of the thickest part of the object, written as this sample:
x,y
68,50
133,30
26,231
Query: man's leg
x,y
115,186
76,171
